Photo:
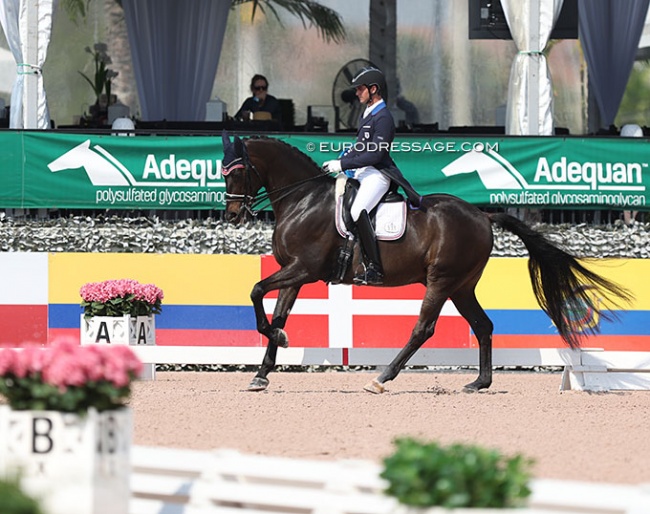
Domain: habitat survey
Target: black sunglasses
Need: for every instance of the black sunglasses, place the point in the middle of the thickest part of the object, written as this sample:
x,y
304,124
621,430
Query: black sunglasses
x,y
260,88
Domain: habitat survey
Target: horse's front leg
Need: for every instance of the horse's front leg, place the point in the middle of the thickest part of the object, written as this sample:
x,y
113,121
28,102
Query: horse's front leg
x,y
276,335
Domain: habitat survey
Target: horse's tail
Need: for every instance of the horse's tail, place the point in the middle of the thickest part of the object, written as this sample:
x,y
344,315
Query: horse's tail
x,y
566,290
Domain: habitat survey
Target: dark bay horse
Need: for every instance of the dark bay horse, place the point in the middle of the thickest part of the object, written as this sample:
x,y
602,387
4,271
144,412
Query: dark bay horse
x,y
446,247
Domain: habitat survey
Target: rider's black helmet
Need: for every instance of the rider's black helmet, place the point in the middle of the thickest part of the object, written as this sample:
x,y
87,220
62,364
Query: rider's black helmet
x,y
371,76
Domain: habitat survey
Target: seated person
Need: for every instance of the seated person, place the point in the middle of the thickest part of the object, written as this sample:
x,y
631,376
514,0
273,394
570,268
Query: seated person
x,y
260,101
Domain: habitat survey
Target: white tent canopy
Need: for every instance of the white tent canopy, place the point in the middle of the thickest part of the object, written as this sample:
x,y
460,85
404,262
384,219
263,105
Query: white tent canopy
x,y
176,47
530,94
27,24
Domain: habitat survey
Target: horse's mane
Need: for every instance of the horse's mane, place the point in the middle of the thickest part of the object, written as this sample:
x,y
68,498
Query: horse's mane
x,y
303,157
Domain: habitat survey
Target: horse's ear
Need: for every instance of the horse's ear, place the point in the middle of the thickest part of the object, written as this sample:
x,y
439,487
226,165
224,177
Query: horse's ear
x,y
225,139
239,146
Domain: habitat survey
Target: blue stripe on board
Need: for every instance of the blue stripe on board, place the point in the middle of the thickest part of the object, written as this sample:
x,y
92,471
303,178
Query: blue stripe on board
x,y
198,317
526,322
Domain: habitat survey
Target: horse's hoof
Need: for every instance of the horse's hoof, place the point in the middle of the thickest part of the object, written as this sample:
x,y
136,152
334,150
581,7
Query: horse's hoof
x,y
258,384
374,387
475,387
280,338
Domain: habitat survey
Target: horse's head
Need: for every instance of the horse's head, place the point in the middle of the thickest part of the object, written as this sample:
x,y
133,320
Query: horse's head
x,y
72,159
241,186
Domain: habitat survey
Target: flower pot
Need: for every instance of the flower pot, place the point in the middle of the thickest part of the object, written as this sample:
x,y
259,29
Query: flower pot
x,y
73,464
140,330
134,331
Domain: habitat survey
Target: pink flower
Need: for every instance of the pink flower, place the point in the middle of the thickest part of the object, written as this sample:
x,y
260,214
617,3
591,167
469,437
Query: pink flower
x,y
36,358
92,361
126,289
7,360
63,369
64,365
21,365
122,357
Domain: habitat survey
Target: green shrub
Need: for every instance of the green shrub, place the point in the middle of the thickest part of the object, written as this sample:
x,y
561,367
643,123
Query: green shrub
x,y
14,501
426,474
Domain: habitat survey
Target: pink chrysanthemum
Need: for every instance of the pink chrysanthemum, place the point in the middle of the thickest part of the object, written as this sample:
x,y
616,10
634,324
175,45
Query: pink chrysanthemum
x,y
69,368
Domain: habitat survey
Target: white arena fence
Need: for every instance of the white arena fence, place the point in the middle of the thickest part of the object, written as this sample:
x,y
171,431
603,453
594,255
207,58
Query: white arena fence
x,y
585,369
174,481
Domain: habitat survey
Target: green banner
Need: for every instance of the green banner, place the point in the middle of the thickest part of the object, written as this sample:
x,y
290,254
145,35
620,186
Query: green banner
x,y
54,170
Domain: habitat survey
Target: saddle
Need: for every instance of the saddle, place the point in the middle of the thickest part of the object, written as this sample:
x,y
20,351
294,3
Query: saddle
x,y
388,218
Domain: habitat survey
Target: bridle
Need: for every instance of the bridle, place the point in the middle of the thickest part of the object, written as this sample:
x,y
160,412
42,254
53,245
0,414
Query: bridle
x,y
252,202
247,200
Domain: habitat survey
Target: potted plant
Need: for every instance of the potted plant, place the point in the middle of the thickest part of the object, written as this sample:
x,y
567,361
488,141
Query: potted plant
x,y
119,311
66,427
101,80
422,476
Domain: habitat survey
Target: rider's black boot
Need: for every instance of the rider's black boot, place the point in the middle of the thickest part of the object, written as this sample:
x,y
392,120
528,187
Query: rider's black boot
x,y
372,274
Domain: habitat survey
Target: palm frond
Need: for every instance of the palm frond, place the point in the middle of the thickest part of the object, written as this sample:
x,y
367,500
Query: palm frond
x,y
76,9
313,14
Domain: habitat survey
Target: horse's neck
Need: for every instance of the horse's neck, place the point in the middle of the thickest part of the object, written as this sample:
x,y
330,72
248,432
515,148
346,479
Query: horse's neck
x,y
290,189
284,172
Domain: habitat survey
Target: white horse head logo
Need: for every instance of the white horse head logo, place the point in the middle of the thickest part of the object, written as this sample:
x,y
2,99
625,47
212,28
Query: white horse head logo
x,y
102,170
494,171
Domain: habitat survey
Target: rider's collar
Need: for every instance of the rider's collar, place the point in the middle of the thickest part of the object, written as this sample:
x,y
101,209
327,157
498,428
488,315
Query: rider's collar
x,y
374,109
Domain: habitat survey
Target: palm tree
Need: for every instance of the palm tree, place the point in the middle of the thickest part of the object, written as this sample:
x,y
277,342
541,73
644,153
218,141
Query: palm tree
x,y
311,13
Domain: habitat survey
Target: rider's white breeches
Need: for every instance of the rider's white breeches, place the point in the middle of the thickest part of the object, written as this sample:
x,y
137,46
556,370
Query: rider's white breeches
x,y
373,185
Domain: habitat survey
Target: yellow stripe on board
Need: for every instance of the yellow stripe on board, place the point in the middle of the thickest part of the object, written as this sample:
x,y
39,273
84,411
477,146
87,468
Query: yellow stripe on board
x,y
184,279
506,284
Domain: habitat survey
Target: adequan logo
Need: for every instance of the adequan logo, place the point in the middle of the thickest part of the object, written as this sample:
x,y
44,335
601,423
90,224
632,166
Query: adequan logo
x,y
497,173
104,169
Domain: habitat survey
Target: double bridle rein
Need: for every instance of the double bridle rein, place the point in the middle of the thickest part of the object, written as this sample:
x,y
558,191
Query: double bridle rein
x,y
252,202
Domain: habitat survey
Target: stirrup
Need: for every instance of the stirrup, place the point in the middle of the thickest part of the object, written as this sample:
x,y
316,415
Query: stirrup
x,y
343,260
370,276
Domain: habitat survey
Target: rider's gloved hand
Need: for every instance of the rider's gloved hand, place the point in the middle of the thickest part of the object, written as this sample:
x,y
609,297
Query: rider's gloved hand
x,y
332,166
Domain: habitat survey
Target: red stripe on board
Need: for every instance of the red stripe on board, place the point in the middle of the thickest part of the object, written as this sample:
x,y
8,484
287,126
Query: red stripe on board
x,y
57,334
612,343
307,330
21,324
394,332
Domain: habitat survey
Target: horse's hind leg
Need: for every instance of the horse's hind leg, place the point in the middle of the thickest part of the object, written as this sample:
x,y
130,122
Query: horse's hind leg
x,y
468,306
286,299
423,330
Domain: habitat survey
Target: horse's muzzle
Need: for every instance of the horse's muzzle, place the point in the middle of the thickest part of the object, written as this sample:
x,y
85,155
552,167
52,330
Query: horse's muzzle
x,y
232,216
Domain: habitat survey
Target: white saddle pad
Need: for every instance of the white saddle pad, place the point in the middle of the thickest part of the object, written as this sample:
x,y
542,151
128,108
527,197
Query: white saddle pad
x,y
390,221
